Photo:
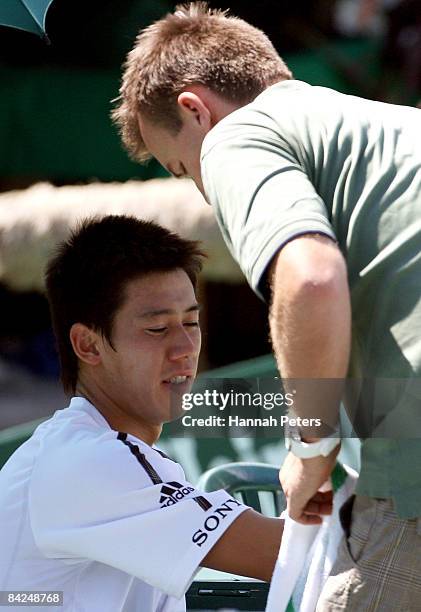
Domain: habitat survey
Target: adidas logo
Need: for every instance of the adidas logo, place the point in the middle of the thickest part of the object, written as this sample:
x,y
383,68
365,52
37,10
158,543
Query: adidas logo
x,y
172,492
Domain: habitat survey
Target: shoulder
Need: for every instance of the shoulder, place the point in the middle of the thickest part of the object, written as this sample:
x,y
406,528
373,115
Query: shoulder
x,y
274,121
84,457
153,462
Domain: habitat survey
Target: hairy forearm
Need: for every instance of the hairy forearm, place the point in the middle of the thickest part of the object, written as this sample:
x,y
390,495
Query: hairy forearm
x,y
310,323
310,331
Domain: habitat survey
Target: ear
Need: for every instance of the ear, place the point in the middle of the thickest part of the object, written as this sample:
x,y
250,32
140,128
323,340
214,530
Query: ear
x,y
85,343
194,109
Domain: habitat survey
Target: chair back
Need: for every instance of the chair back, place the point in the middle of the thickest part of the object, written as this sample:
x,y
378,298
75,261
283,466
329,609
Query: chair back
x,y
251,482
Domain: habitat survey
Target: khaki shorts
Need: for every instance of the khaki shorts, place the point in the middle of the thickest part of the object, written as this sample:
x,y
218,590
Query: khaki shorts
x,y
378,567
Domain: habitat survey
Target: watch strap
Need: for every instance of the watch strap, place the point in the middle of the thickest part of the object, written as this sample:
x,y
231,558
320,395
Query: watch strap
x,y
308,450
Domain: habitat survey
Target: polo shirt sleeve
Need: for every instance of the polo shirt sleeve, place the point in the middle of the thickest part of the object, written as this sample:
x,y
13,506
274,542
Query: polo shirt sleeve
x,y
260,187
98,502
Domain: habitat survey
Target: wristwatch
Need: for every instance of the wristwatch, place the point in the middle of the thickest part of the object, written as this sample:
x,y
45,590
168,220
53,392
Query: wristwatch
x,y
308,450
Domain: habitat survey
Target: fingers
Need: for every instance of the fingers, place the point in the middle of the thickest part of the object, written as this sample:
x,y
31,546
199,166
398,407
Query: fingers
x,y
307,519
321,504
318,508
303,481
312,517
323,496
312,514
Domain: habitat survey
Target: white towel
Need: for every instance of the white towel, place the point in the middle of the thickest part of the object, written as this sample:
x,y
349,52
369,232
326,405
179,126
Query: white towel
x,y
307,553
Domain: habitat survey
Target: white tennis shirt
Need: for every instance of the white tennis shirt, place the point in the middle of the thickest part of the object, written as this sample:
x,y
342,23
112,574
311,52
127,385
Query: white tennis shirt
x,y
103,517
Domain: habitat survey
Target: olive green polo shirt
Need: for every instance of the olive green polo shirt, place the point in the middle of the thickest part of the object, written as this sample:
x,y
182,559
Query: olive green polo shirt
x,y
302,159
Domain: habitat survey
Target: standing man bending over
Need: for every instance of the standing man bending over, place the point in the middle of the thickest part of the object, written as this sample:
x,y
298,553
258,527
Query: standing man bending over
x,y
318,196
86,505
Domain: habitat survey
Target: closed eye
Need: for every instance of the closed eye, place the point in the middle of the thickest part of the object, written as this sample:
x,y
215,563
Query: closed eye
x,y
156,330
161,330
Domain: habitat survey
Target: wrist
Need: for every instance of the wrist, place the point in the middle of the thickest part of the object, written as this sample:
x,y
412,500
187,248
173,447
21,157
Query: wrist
x,y
308,450
309,446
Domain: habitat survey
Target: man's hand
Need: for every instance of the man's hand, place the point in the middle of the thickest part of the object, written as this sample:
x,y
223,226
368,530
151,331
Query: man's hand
x,y
302,481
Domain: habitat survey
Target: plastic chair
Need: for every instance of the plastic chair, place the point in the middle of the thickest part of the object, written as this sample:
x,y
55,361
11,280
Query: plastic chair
x,y
246,480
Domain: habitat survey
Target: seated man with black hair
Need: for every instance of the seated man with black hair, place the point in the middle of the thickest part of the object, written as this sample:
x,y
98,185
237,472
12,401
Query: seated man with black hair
x,y
84,504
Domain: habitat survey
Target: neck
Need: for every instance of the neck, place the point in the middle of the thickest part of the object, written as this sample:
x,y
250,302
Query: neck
x,y
219,107
115,414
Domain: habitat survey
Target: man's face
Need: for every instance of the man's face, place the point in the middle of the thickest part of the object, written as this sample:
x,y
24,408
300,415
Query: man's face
x,y
156,337
179,153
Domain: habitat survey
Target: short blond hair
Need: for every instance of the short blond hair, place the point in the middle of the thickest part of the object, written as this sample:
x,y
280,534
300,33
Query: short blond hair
x,y
193,45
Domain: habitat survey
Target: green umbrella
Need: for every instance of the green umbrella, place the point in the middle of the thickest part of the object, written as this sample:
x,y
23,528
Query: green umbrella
x,y
28,15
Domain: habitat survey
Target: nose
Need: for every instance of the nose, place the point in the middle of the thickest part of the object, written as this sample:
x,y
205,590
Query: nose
x,y
184,344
